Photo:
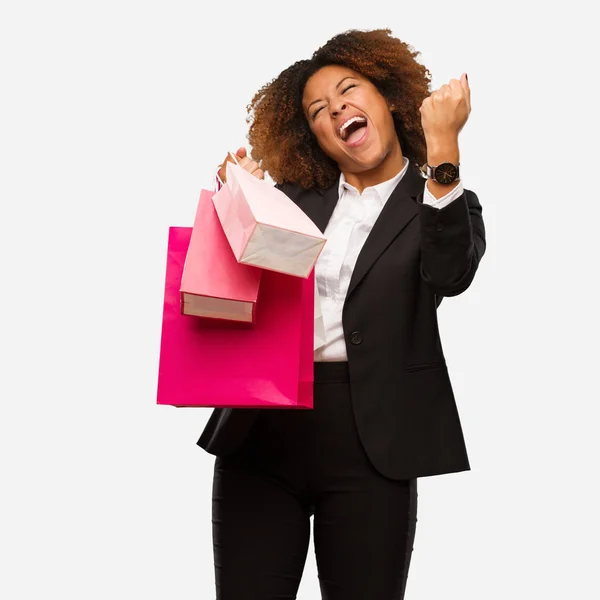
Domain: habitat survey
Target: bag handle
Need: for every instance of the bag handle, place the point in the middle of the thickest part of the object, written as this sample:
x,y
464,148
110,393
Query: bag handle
x,y
219,180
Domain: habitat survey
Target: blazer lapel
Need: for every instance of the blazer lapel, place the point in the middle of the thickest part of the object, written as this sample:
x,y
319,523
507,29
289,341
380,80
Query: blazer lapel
x,y
320,208
399,210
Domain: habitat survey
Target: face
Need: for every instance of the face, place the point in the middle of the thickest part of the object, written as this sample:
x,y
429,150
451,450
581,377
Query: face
x,y
351,120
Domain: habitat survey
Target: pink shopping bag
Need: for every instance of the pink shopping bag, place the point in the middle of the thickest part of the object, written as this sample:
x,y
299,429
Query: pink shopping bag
x,y
268,364
264,227
214,284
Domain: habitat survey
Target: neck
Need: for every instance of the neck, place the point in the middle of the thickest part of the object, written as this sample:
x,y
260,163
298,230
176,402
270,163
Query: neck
x,y
388,168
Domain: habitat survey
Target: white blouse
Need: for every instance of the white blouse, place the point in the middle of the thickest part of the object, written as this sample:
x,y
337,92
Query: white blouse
x,y
348,229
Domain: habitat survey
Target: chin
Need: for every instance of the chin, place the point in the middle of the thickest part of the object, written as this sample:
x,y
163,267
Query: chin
x,y
371,160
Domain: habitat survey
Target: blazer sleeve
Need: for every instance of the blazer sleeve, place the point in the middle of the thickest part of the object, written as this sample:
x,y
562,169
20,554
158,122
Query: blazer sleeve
x,y
452,243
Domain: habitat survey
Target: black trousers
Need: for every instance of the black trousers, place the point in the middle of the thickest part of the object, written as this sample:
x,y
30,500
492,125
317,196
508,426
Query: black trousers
x,y
301,463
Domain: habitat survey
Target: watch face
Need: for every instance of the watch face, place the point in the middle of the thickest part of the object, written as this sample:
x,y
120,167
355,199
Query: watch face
x,y
446,173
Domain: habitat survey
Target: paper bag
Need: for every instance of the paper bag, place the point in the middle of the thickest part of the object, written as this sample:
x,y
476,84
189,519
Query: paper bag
x,y
214,284
264,227
212,363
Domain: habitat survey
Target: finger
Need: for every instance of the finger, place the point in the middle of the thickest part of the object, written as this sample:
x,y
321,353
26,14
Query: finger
x,y
444,90
232,158
239,155
244,162
458,90
464,81
222,171
456,86
251,166
248,164
441,95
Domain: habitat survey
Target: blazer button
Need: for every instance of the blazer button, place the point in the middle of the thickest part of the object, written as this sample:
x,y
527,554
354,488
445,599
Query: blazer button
x,y
356,338
439,226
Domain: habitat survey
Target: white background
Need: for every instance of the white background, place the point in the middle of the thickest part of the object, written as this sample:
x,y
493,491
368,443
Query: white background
x,y
113,116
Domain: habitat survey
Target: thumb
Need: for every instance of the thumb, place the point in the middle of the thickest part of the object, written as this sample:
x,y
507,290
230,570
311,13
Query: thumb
x,y
464,80
241,152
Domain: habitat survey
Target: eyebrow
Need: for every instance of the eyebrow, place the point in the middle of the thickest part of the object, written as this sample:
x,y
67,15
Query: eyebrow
x,y
336,87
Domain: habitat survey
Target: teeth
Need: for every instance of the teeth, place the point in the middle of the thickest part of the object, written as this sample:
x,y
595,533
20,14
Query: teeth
x,y
349,122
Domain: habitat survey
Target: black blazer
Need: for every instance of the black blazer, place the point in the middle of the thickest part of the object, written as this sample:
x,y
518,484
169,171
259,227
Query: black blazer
x,y
404,406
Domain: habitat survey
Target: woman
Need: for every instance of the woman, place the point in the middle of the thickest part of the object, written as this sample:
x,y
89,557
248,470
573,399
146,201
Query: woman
x,y
343,135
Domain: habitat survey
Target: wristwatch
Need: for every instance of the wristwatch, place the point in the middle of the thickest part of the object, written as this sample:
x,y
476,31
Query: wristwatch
x,y
443,173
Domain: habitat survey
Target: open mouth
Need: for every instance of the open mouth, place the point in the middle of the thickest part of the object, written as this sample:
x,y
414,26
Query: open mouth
x,y
353,129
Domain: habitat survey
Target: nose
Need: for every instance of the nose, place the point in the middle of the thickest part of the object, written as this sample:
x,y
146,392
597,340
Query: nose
x,y
337,109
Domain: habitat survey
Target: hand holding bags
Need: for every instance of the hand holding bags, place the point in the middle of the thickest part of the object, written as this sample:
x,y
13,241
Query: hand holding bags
x,y
264,227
